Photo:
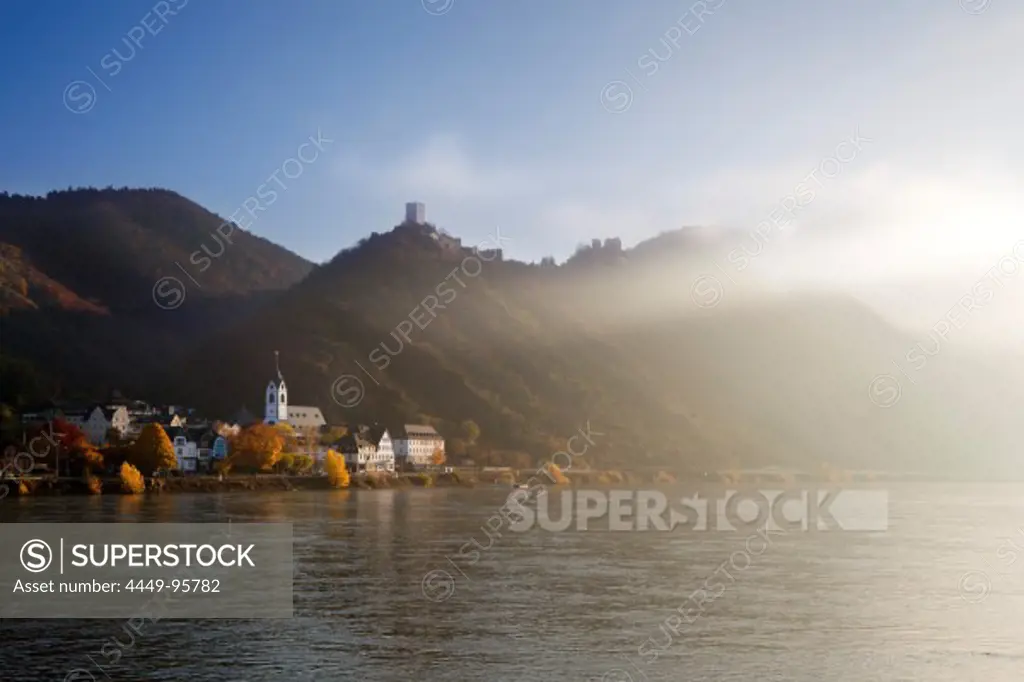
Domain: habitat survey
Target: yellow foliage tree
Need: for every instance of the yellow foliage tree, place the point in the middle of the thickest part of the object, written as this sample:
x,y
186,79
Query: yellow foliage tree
x,y
555,474
438,457
132,481
152,451
257,448
337,473
289,439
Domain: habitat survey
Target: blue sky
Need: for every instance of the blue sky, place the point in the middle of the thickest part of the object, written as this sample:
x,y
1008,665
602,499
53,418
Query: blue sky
x,y
492,113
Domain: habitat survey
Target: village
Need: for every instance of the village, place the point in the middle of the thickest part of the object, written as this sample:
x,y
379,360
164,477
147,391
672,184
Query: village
x,y
204,446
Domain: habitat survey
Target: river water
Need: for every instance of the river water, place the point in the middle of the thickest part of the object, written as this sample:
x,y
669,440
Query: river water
x,y
939,596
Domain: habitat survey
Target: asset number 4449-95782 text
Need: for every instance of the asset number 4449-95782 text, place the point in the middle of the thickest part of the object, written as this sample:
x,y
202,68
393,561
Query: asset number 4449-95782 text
x,y
176,585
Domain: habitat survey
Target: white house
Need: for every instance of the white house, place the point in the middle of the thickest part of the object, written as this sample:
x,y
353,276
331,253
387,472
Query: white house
x,y
369,449
187,454
186,450
97,420
414,445
383,458
357,450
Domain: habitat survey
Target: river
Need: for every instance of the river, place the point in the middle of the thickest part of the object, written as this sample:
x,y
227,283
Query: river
x,y
938,596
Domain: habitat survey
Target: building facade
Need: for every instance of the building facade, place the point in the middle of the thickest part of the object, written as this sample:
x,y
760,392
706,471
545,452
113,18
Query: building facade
x,y
357,450
384,451
186,452
303,417
415,444
96,421
368,449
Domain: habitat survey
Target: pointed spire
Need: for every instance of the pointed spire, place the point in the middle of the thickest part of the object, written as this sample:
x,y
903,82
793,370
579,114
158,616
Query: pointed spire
x,y
277,366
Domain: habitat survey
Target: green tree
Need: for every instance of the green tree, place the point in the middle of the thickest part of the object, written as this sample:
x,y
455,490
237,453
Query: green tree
x,y
470,431
152,451
332,434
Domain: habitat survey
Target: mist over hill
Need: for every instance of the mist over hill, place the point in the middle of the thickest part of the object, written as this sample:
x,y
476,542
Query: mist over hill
x,y
672,364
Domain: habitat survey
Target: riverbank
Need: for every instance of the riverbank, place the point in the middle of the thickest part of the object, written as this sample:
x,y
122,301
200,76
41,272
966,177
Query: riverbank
x,y
29,487
272,482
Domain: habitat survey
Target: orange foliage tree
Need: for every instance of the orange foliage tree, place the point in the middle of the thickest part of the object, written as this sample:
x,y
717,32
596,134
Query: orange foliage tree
x,y
68,436
77,454
256,448
152,451
88,459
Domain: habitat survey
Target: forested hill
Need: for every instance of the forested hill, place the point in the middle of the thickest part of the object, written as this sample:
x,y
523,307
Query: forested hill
x,y
79,270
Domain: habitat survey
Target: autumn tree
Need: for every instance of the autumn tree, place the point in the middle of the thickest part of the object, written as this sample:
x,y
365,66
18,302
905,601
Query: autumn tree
x,y
337,473
257,448
289,439
302,464
152,451
67,434
132,481
555,474
65,444
437,457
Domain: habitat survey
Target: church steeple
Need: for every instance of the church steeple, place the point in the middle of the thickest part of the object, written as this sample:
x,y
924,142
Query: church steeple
x,y
277,397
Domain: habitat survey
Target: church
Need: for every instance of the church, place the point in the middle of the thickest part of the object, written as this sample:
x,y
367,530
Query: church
x,y
277,410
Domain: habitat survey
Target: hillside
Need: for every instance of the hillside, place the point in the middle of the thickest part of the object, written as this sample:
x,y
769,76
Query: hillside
x,y
78,271
111,246
25,287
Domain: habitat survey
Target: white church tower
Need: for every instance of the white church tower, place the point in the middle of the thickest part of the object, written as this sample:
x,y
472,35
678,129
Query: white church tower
x,y
277,398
